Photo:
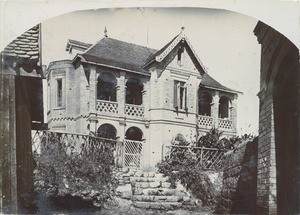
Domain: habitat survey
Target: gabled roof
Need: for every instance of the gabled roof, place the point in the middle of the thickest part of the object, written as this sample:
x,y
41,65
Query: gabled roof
x,y
116,53
160,55
24,50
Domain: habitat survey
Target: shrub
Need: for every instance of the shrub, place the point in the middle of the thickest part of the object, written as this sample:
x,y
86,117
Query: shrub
x,y
182,165
87,175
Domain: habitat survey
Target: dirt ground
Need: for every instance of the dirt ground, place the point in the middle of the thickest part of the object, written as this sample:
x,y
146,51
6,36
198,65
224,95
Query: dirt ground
x,y
121,206
124,208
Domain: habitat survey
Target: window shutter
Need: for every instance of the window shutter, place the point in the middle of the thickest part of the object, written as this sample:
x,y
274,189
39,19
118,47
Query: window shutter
x,y
175,95
185,97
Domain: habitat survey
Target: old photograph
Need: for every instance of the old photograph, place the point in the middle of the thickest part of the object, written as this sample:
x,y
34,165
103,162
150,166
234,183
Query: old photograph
x,y
150,110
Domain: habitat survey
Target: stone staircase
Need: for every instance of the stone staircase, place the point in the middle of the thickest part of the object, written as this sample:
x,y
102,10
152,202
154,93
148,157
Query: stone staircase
x,y
150,190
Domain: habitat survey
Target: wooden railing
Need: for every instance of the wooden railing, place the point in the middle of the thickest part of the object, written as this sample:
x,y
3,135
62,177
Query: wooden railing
x,y
206,158
75,145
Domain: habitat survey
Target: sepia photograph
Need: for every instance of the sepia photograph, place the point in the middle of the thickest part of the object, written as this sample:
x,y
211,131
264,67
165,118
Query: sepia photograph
x,y
150,110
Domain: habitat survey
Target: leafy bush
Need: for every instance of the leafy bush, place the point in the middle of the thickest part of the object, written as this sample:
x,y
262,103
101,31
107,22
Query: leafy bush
x,y
87,175
182,165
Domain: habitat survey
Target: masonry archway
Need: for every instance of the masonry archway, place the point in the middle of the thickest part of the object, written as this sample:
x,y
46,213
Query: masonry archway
x,y
287,126
134,91
107,131
134,133
106,87
204,103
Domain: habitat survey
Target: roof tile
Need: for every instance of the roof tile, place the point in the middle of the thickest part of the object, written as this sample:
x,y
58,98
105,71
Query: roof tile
x,y
24,49
130,56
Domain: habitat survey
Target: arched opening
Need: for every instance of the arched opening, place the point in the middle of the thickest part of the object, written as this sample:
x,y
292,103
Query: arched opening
x,y
106,87
223,107
134,91
134,133
107,131
204,103
287,125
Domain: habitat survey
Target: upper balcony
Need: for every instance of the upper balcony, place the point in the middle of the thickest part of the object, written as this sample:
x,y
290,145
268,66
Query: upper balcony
x,y
208,122
130,110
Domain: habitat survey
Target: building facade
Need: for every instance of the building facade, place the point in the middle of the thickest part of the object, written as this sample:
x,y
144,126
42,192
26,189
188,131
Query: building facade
x,y
137,95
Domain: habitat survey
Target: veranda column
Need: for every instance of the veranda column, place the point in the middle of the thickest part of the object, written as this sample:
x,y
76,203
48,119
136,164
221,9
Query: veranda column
x,y
121,94
146,99
93,99
121,113
233,113
215,109
93,89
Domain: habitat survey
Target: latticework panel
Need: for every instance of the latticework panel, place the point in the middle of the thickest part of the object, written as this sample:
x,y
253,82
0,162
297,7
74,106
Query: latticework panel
x,y
225,124
107,107
210,158
136,111
206,158
205,121
44,142
133,152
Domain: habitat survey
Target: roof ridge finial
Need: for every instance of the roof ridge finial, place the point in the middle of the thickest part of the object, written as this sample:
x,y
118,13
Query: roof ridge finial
x,y
105,32
182,31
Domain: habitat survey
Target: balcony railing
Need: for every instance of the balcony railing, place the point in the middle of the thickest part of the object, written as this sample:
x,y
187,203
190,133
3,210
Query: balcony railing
x,y
107,106
134,110
209,122
225,124
205,121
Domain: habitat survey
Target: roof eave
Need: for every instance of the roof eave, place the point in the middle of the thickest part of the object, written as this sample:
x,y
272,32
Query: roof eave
x,y
108,66
223,90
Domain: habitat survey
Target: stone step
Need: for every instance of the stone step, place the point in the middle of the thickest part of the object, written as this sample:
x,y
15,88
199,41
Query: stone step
x,y
134,179
142,198
154,184
157,205
158,192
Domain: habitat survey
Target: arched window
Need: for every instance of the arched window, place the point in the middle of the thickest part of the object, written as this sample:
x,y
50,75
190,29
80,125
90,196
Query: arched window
x,y
107,131
204,103
134,133
224,107
106,87
134,91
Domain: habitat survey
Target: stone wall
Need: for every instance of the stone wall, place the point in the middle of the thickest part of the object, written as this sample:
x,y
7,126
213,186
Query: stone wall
x,y
238,195
278,169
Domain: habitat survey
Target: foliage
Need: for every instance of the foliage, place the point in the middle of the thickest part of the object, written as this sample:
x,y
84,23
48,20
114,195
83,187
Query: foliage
x,y
87,174
212,139
182,165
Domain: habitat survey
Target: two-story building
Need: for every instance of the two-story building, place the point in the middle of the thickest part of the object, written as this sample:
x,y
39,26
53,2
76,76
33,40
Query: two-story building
x,y
137,95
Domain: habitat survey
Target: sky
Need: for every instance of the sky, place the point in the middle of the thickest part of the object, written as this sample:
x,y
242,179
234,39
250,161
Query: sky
x,y
223,40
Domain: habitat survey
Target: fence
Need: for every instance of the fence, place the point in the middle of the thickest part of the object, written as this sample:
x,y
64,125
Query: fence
x,y
74,145
133,152
205,158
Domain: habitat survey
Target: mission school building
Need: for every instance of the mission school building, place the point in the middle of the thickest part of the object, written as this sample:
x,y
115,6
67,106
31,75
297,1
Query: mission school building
x,y
141,97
